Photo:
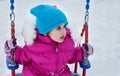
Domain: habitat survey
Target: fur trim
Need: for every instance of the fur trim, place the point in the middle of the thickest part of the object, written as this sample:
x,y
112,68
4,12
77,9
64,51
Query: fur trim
x,y
28,30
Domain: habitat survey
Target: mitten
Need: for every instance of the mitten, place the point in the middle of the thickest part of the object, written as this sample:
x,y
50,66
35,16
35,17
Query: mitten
x,y
88,50
9,46
9,50
85,64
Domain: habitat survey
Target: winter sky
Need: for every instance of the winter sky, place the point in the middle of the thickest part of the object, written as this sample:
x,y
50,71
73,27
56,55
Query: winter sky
x,y
104,30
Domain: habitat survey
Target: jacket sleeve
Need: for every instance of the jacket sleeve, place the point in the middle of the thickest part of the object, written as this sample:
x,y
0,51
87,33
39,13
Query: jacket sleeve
x,y
22,56
77,55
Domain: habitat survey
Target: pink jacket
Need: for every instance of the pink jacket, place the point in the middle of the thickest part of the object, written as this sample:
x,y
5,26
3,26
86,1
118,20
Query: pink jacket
x,y
48,58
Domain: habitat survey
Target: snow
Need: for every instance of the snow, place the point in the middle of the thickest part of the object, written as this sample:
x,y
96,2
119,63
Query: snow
x,y
104,30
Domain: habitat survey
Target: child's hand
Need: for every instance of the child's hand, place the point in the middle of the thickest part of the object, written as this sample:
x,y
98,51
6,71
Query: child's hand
x,y
9,46
88,50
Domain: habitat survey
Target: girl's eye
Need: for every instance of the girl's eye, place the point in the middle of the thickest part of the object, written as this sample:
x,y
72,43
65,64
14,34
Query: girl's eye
x,y
58,28
64,25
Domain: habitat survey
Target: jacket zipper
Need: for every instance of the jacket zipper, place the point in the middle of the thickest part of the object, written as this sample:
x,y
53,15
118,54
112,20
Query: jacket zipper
x,y
56,59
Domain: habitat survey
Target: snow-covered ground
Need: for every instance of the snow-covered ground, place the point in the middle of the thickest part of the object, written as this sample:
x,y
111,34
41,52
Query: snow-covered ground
x,y
104,30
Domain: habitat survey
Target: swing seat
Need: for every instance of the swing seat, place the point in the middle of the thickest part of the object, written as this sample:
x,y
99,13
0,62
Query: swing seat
x,y
73,74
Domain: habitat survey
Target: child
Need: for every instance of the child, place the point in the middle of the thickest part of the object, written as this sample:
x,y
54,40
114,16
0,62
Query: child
x,y
52,47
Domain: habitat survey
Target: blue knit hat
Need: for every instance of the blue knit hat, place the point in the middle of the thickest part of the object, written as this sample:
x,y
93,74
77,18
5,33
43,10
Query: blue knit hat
x,y
48,18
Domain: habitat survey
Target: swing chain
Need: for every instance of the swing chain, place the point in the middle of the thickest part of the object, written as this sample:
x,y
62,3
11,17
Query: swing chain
x,y
12,4
12,14
12,17
87,4
86,16
87,12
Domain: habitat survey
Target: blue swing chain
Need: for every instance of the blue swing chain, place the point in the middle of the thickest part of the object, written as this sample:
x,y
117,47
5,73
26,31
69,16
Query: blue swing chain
x,y
87,12
87,4
12,4
12,14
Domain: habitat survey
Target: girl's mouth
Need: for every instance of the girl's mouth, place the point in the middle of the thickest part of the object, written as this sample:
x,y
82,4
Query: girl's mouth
x,y
62,37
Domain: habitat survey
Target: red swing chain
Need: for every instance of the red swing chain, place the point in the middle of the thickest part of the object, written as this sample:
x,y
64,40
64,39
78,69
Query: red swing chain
x,y
85,30
12,37
86,41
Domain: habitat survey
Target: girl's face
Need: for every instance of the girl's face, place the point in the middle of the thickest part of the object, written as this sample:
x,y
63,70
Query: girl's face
x,y
58,34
